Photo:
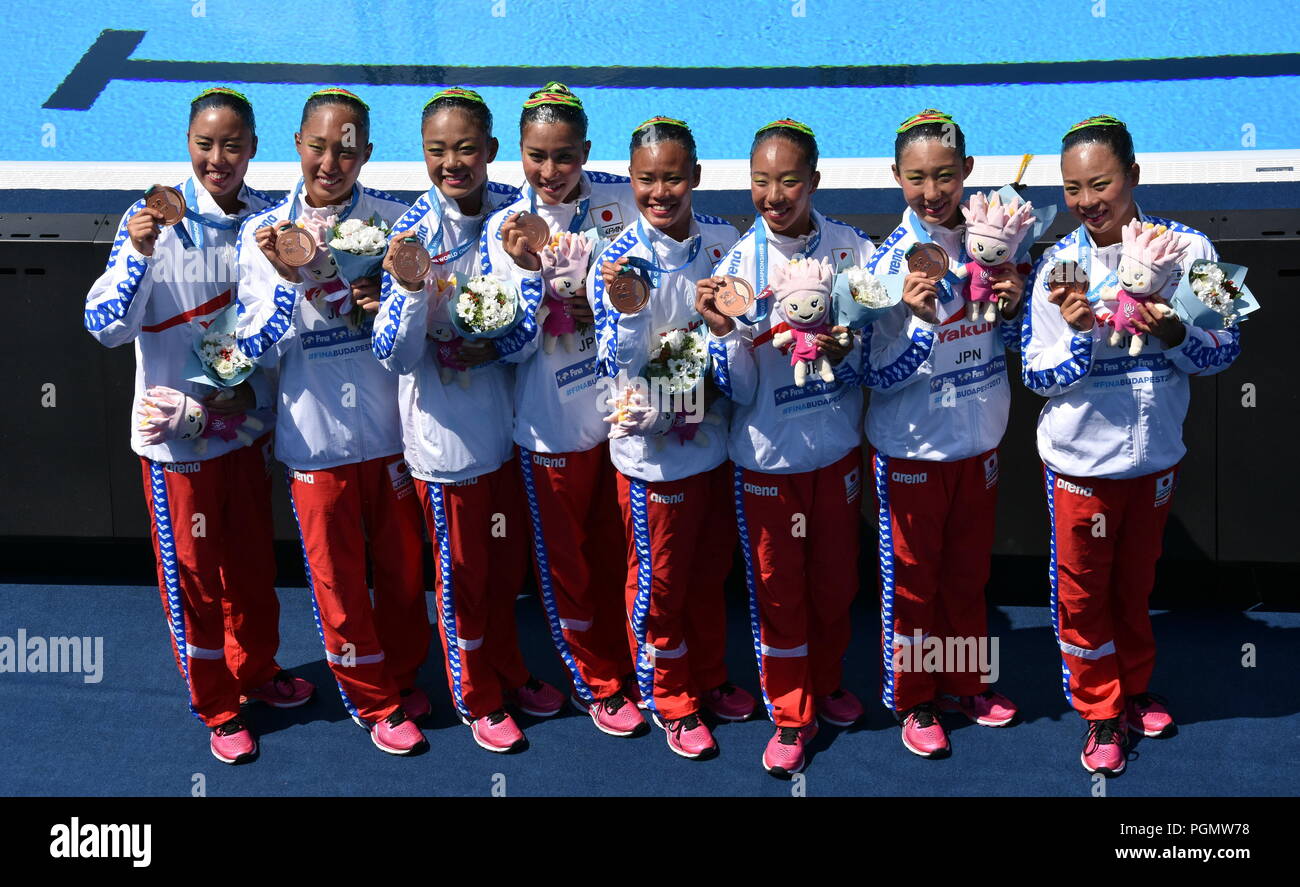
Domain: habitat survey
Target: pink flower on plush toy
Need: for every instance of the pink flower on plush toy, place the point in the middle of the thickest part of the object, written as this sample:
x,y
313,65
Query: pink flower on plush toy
x,y
994,231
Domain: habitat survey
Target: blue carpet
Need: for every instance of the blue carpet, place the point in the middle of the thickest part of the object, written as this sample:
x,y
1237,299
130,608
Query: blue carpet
x,y
131,733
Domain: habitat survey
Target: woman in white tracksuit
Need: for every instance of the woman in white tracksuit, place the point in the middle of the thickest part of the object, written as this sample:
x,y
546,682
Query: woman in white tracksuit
x,y
340,431
1110,437
578,543
940,397
674,482
456,426
796,453
218,585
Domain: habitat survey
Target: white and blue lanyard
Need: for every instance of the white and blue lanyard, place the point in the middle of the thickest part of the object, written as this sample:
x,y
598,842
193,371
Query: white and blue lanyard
x,y
190,230
649,269
763,303
575,226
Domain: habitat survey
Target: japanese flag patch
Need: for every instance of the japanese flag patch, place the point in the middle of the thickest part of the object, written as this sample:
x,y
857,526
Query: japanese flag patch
x,y
608,219
1164,489
852,485
400,476
990,470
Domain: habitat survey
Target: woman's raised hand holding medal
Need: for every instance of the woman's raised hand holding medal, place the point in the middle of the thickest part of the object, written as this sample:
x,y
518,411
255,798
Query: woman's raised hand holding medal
x,y
407,260
706,292
266,242
523,239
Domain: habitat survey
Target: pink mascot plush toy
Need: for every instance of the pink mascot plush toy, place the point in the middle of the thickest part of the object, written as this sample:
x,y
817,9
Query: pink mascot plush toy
x,y
803,290
167,414
1148,259
564,269
994,231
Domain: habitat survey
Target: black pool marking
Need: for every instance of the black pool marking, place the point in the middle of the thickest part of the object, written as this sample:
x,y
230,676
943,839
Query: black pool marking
x,y
109,59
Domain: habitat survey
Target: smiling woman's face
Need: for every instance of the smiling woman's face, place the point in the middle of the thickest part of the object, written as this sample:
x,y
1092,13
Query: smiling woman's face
x,y
931,176
1098,191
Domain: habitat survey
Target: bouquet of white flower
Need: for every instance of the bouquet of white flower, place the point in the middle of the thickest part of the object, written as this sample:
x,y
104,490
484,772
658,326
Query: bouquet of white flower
x,y
860,297
487,308
680,361
358,247
1213,295
220,362
220,353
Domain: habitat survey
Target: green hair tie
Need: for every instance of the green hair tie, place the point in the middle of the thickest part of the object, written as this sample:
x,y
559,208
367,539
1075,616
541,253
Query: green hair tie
x,y
553,93
222,90
666,121
1099,120
339,92
456,92
929,115
787,123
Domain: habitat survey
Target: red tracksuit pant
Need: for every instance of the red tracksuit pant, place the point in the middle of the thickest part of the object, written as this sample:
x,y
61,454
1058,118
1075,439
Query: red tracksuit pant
x,y
799,536
1106,539
936,528
373,648
212,536
580,558
681,535
480,539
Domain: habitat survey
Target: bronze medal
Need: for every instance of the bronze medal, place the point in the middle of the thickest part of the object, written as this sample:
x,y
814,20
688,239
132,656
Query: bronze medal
x,y
629,293
734,296
168,201
295,246
535,229
929,259
411,260
1071,276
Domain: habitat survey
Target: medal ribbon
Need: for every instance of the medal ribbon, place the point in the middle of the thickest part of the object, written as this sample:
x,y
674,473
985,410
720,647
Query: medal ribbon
x,y
649,266
435,244
1095,290
763,301
575,226
190,229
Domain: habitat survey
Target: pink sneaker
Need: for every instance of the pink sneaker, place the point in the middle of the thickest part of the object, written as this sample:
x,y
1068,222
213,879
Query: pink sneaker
x,y
1146,714
988,709
615,715
497,732
784,755
538,698
689,738
282,691
1103,749
923,734
232,743
841,708
398,735
729,702
415,703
